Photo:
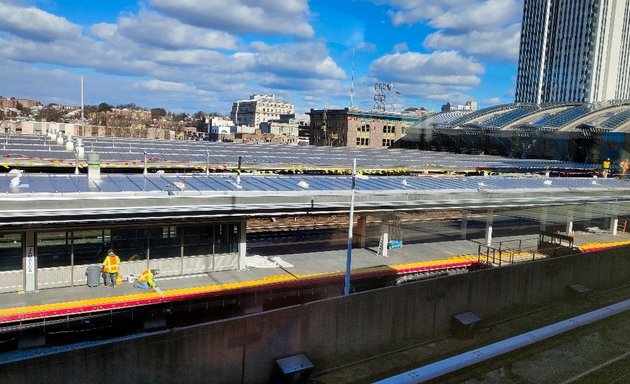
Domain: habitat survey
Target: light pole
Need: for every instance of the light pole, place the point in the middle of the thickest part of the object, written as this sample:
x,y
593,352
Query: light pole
x,y
346,288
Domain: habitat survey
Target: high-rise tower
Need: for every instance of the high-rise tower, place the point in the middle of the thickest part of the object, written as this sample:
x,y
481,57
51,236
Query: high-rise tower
x,y
574,51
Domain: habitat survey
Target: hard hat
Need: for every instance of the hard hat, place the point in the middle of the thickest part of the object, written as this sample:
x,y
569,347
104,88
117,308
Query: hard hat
x,y
110,252
155,271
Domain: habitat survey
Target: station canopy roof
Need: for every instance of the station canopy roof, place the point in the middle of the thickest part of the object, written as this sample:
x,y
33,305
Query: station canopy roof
x,y
121,155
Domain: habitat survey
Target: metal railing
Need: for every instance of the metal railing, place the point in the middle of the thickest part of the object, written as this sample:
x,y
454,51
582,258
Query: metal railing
x,y
507,251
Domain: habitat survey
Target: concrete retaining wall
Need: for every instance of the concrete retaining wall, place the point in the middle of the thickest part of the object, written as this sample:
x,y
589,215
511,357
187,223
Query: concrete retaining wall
x,y
331,332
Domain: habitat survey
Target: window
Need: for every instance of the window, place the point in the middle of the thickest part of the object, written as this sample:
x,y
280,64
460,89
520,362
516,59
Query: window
x,y
226,238
91,246
130,243
53,249
198,239
388,142
10,251
363,141
164,242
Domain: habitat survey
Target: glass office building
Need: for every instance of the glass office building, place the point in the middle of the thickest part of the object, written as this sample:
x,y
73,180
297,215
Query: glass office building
x,y
574,51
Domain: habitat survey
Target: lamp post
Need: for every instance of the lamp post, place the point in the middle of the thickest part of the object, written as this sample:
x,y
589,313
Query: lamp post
x,y
346,288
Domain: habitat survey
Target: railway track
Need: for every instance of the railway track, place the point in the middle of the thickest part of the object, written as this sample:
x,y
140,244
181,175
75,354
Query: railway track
x,y
594,354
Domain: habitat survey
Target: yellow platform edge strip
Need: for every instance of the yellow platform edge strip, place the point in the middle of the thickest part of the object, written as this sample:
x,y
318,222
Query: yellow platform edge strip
x,y
268,280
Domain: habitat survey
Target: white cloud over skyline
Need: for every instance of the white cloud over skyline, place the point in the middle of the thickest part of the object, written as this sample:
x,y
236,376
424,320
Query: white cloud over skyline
x,y
194,58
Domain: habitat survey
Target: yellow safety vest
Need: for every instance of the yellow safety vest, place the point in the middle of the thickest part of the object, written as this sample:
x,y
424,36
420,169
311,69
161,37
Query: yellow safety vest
x,y
146,277
111,263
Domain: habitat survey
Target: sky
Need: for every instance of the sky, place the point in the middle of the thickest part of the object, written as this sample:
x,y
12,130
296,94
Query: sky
x,y
202,55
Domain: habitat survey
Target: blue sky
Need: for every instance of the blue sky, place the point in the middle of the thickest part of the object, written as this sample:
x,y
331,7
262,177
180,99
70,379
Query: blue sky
x,y
201,55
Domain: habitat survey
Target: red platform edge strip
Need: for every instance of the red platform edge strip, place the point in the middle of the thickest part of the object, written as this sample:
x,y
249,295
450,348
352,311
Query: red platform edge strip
x,y
387,271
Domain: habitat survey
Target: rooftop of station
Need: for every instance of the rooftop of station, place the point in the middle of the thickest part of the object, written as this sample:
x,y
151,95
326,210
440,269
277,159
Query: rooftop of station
x,y
609,116
127,155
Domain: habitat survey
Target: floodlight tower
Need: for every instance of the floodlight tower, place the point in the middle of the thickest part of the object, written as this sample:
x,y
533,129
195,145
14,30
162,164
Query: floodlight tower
x,y
380,102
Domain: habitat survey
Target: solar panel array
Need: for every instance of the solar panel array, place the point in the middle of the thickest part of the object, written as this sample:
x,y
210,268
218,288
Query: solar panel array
x,y
57,183
504,119
43,151
559,120
617,120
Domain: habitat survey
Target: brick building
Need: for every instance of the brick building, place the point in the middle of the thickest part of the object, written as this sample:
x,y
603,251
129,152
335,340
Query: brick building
x,y
354,128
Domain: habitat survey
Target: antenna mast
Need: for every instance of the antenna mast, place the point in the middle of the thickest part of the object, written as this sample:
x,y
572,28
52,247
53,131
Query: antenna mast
x,y
82,115
380,103
352,84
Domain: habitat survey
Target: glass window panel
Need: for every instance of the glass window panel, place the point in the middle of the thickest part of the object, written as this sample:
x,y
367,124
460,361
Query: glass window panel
x,y
130,244
198,239
227,236
91,246
10,251
165,242
53,249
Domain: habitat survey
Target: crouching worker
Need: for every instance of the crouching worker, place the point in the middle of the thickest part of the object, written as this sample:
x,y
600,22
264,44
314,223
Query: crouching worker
x,y
110,268
145,280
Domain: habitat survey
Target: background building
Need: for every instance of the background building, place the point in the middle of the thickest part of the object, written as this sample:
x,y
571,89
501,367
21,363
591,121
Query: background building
x,y
574,51
259,109
469,106
354,128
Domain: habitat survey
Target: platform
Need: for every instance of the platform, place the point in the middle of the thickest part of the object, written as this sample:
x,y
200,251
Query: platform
x,y
292,266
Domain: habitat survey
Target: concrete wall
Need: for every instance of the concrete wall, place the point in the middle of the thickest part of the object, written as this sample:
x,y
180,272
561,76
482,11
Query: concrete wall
x,y
331,332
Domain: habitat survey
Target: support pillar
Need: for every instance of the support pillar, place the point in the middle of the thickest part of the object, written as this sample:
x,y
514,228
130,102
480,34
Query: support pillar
x,y
30,263
489,220
614,224
361,232
569,227
464,227
242,244
588,209
385,237
543,219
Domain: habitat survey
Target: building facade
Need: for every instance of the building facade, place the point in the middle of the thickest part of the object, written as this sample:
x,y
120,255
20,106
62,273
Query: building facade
x,y
574,51
470,105
260,109
354,128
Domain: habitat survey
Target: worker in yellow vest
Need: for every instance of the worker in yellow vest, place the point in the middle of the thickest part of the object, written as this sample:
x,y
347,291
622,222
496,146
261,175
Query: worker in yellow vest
x,y
606,167
145,280
110,268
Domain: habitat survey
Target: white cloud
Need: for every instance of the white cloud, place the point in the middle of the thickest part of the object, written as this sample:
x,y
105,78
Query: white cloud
x,y
485,15
424,75
441,67
153,29
415,11
286,17
453,97
33,23
491,101
276,82
157,85
136,61
366,47
479,43
475,27
400,47
306,60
